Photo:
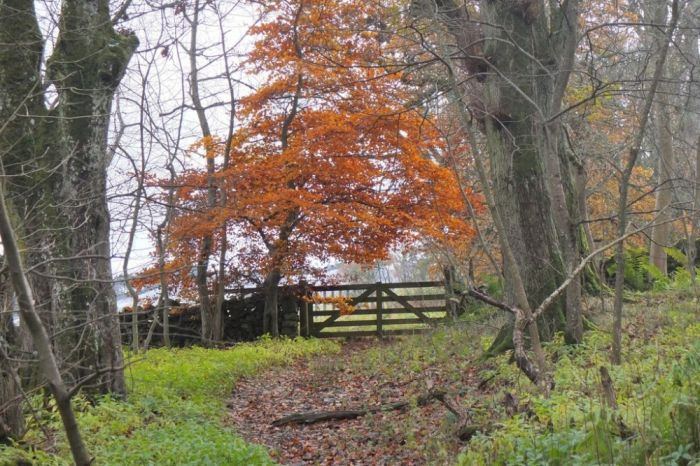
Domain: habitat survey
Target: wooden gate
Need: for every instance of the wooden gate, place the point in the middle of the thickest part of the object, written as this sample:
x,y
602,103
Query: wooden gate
x,y
373,309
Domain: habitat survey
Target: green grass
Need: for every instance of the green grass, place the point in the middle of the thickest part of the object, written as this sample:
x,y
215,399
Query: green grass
x,y
174,412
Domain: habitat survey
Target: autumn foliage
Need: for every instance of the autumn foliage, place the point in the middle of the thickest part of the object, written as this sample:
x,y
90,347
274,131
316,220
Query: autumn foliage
x,y
328,162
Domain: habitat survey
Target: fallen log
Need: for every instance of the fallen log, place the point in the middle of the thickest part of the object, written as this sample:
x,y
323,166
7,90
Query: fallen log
x,y
312,417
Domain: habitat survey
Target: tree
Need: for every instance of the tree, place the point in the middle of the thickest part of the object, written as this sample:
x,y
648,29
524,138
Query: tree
x,y
328,162
516,59
53,145
629,164
40,337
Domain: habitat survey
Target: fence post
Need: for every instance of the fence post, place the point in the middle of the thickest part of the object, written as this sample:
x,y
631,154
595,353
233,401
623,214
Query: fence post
x,y
380,331
304,329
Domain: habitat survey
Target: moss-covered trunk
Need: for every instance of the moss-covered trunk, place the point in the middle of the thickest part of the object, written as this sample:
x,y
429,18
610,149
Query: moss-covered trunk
x,y
57,160
519,55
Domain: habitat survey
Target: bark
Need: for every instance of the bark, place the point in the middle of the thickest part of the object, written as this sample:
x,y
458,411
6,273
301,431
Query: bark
x,y
161,241
695,219
521,56
522,311
210,315
130,244
11,409
690,128
606,384
42,343
665,154
221,282
271,311
57,159
11,412
660,234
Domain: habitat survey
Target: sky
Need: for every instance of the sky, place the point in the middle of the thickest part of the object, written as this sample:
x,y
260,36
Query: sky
x,y
157,81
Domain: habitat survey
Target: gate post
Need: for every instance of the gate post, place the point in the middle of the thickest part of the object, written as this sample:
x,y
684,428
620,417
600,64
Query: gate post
x,y
450,304
380,331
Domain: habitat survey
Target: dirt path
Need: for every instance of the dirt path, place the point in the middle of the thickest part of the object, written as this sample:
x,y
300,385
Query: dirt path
x,y
406,437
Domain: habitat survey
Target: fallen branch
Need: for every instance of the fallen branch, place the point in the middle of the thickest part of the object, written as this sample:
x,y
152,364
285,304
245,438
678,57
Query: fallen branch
x,y
312,417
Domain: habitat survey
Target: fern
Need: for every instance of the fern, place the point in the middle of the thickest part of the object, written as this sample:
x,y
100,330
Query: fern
x,y
660,281
677,255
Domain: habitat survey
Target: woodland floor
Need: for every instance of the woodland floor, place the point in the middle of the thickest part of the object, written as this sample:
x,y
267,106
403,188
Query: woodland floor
x,y
414,435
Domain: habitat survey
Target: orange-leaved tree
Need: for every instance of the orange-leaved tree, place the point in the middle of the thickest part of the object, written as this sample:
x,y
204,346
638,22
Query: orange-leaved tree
x,y
328,162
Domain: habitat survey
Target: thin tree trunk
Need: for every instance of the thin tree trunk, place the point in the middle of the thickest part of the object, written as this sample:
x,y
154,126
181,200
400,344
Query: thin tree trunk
x,y
695,219
666,163
161,240
127,255
616,355
209,314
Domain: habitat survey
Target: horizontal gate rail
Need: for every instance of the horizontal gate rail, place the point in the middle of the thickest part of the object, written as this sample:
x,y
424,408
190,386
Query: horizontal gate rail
x,y
379,309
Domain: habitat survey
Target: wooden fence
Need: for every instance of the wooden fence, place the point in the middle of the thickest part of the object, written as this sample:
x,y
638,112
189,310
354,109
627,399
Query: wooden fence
x,y
377,309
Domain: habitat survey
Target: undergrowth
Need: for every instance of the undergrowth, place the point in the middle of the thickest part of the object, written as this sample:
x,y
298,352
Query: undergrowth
x,y
657,421
177,397
173,414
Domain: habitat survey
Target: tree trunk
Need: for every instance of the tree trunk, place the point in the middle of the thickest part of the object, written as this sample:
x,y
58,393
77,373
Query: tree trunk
x,y
695,218
210,315
627,168
57,159
40,338
11,412
660,233
516,99
271,312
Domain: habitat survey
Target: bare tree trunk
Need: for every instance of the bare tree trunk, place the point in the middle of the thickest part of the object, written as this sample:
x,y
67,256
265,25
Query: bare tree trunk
x,y
161,240
666,163
221,281
695,219
209,314
271,312
141,171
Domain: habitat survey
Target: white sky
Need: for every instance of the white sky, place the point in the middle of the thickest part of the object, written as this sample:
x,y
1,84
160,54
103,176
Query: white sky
x,y
158,80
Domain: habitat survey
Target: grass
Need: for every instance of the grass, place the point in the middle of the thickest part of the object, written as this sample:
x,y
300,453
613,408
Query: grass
x,y
177,398
174,411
